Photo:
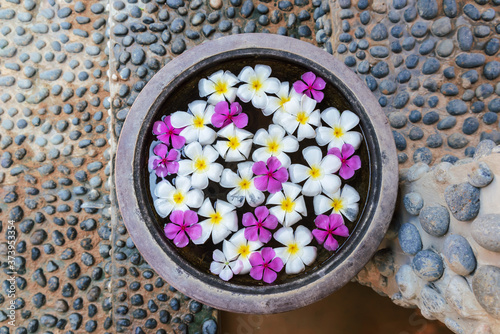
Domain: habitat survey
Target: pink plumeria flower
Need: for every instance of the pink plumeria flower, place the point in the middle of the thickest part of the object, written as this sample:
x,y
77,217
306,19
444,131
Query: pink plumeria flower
x,y
273,175
265,265
225,115
184,225
224,267
164,162
311,86
256,228
327,228
349,162
168,134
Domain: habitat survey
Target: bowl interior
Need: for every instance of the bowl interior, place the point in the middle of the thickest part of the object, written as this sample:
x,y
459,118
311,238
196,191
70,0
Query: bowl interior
x,y
195,260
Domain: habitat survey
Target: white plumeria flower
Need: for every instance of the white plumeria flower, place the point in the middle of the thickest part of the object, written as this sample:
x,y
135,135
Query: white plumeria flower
x,y
319,174
220,223
243,184
338,132
177,197
201,164
238,144
277,104
289,207
344,202
275,144
219,86
296,254
238,247
257,84
225,267
195,123
301,114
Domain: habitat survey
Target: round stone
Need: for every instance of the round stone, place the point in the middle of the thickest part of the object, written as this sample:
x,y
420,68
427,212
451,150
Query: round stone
x,y
397,120
456,107
481,175
462,200
457,140
435,220
407,281
422,154
486,231
458,255
409,239
486,288
471,124
413,203
428,265
427,9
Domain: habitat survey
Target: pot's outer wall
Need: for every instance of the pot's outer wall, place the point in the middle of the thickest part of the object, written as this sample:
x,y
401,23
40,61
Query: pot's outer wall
x,y
364,241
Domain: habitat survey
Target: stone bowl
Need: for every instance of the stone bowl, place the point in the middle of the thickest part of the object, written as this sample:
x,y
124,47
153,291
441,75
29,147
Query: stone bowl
x,y
133,192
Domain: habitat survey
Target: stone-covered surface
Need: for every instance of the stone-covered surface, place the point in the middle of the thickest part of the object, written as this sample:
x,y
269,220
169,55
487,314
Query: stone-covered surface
x,y
447,266
432,64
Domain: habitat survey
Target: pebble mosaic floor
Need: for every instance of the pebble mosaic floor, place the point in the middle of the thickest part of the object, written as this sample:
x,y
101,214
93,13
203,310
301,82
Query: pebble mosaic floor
x,y
70,70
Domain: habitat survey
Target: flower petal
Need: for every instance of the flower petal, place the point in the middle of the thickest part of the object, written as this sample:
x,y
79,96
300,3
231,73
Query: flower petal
x,y
216,267
219,233
199,180
294,266
324,135
180,119
331,116
246,73
271,86
181,240
269,276
313,155
321,204
320,235
276,264
218,120
261,137
226,274
244,93
303,236
348,120
194,198
248,219
354,138
229,179
305,131
257,272
262,71
255,197
284,235
206,87
241,120
259,100
292,218
311,187
164,189
230,250
308,254
273,186
278,213
177,141
323,222
163,207
171,230
299,86
317,95
206,231
207,136
330,183
259,168
309,78
330,243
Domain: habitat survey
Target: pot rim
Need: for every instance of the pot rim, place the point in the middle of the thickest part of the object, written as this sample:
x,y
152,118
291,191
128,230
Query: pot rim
x,y
331,275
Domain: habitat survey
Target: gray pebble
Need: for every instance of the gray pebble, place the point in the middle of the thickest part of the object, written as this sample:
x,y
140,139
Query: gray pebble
x,y
463,201
428,265
486,231
435,220
481,175
486,288
458,255
409,239
413,203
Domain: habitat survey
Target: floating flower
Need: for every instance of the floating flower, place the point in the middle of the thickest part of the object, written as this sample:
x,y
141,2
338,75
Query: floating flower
x,y
164,162
194,123
344,202
327,228
301,114
201,164
220,223
349,163
265,265
257,84
296,255
338,132
225,115
224,267
168,134
219,86
272,175
243,185
319,173
237,146
176,198
238,247
288,206
183,224
256,228
277,104
275,145
311,86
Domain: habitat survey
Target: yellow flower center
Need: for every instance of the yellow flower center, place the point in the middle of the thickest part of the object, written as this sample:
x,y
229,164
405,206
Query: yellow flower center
x,y
221,87
338,132
284,100
287,204
198,122
244,250
315,172
273,146
233,143
337,204
178,197
245,184
200,164
302,117
293,248
215,218
256,84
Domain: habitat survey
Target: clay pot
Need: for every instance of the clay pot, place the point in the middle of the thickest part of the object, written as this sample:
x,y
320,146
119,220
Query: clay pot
x,y
174,82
